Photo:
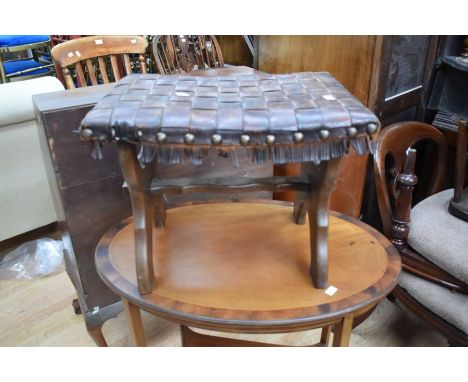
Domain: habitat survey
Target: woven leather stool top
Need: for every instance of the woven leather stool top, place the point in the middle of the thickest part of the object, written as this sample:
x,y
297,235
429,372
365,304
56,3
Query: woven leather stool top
x,y
301,117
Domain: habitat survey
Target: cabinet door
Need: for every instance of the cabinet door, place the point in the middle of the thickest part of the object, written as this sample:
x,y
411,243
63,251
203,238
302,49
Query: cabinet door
x,y
401,74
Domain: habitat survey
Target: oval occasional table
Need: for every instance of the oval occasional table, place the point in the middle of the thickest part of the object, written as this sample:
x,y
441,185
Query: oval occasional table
x,y
244,267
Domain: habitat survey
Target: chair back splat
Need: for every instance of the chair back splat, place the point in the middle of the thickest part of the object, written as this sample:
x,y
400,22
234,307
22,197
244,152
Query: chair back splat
x,y
186,53
389,161
100,59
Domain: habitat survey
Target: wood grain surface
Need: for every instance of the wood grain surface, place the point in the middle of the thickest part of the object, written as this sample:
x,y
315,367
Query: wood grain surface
x,y
244,266
349,59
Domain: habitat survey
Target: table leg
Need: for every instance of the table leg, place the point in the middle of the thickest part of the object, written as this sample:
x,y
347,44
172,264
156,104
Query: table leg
x,y
343,331
325,336
138,181
135,324
322,179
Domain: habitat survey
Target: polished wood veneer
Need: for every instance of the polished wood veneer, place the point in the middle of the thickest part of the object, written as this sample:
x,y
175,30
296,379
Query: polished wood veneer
x,y
245,267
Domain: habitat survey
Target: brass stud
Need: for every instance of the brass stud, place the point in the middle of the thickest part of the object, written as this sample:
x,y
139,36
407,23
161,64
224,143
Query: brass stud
x,y
161,137
189,138
244,139
216,139
352,132
298,137
371,128
270,139
86,133
324,134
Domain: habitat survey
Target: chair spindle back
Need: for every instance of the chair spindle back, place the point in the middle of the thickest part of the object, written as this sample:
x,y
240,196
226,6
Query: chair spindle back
x,y
100,59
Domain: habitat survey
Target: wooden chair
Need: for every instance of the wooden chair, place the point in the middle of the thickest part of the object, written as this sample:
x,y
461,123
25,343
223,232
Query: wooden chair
x,y
100,59
185,53
433,247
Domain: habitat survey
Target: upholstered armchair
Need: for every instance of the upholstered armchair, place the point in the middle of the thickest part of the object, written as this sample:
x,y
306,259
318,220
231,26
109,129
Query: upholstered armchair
x,y
25,198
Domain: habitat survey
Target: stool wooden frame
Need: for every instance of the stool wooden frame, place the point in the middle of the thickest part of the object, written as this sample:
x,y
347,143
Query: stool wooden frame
x,y
147,191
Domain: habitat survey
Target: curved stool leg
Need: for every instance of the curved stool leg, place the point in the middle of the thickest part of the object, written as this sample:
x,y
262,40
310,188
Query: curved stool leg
x,y
315,203
135,325
138,180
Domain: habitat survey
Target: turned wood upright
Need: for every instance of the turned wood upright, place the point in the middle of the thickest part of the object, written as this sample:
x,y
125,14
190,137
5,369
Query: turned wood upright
x,y
164,120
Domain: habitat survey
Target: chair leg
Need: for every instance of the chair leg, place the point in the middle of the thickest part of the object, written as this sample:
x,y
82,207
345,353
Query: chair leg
x,y
135,324
2,71
343,331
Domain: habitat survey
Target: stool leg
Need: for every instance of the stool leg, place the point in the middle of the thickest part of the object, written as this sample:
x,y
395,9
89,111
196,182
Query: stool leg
x,y
343,331
300,210
138,181
135,325
159,203
322,180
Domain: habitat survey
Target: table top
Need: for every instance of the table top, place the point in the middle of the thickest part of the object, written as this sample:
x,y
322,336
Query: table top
x,y
310,113
231,266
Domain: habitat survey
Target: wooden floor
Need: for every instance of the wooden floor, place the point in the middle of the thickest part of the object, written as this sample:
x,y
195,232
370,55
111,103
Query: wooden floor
x,y
39,313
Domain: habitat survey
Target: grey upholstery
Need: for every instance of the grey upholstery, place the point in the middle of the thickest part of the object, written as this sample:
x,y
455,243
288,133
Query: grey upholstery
x,y
451,306
440,237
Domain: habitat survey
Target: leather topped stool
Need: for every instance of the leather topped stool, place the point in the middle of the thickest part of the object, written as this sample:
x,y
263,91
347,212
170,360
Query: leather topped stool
x,y
168,119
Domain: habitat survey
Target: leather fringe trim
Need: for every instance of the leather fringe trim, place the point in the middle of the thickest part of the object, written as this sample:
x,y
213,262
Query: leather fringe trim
x,y
278,154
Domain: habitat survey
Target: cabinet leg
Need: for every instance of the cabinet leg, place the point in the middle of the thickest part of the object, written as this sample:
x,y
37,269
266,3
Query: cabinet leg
x,y
135,324
95,332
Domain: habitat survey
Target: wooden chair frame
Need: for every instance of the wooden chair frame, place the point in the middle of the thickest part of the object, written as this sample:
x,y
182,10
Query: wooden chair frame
x,y
83,50
396,184
18,48
180,53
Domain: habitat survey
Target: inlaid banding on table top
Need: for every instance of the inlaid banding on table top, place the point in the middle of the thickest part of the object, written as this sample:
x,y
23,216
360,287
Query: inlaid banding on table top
x,y
260,110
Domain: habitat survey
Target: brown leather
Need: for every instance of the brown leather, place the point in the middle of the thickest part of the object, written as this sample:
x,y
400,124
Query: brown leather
x,y
296,109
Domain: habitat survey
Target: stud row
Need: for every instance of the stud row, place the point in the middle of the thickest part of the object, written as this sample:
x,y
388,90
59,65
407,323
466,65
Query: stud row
x,y
270,139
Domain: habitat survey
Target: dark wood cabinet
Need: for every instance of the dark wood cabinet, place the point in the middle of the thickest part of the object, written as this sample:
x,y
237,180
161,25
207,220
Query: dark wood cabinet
x,y
90,197
389,74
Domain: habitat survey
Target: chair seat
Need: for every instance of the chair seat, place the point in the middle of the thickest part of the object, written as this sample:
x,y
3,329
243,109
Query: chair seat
x,y
20,65
450,306
16,40
439,236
